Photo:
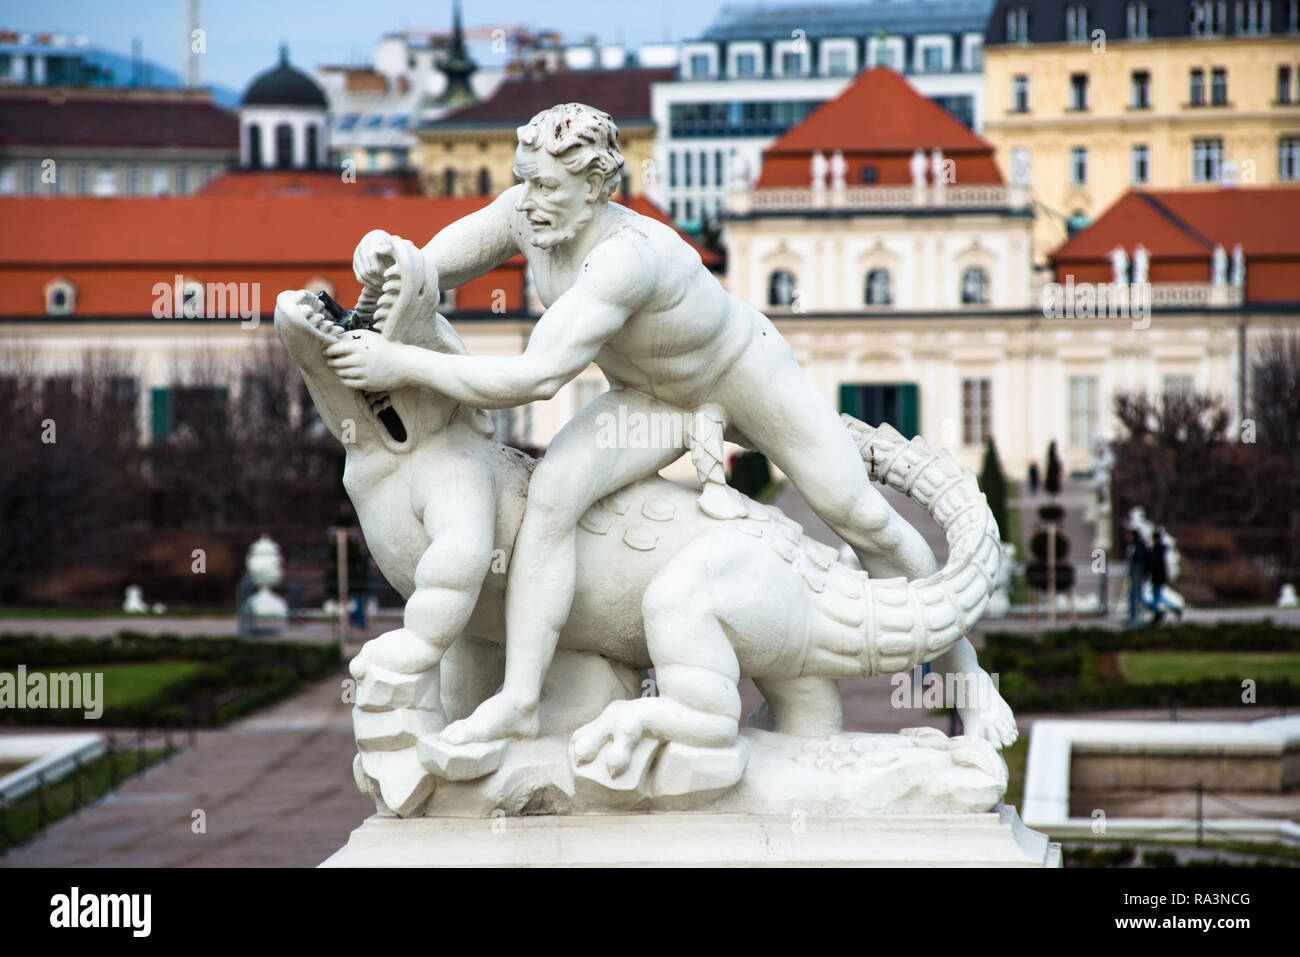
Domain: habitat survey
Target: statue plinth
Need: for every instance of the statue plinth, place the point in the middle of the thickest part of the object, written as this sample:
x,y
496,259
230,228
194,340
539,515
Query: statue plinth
x,y
994,839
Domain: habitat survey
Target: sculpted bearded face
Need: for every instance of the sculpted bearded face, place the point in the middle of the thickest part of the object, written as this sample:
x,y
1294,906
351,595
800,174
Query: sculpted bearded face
x,y
558,203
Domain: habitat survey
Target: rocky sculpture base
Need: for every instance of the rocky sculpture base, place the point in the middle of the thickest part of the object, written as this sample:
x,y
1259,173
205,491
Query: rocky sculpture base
x,y
992,839
920,771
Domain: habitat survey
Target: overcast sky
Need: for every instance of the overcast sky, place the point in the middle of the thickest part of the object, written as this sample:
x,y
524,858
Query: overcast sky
x,y
243,36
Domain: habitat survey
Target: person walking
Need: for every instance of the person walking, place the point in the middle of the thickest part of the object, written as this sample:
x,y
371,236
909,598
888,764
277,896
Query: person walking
x,y
1033,478
1158,570
1137,573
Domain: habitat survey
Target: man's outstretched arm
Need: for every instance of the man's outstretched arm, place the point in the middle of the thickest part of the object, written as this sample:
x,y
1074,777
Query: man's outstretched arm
x,y
616,280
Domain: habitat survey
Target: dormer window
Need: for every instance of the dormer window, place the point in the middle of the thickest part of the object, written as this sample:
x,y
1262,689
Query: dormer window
x,y
1137,16
1018,25
60,297
1076,23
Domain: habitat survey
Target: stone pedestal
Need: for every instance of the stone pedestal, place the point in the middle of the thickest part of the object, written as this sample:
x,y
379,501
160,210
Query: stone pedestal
x,y
994,839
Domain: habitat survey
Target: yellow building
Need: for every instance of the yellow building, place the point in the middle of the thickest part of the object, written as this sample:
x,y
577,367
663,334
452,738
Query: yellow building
x,y
470,152
1087,100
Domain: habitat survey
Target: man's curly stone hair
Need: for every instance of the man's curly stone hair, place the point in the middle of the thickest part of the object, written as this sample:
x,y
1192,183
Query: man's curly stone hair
x,y
582,138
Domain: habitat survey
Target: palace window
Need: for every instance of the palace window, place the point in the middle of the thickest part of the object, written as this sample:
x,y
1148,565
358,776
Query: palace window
x,y
976,411
781,288
1209,18
1018,25
1253,16
1284,84
878,291
1207,160
1196,87
1078,165
1137,17
1219,87
1140,165
746,64
1078,91
1140,90
1076,23
837,63
1085,408
1020,93
974,287
1288,159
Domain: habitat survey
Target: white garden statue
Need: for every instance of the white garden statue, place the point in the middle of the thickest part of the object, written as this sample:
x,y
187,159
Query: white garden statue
x,y
562,581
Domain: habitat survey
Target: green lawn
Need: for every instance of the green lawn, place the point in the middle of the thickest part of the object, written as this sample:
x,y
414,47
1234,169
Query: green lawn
x,y
127,684
21,821
1157,667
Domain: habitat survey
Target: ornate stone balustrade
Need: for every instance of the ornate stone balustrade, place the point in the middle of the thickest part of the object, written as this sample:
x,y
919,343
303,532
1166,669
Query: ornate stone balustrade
x,y
1194,294
956,196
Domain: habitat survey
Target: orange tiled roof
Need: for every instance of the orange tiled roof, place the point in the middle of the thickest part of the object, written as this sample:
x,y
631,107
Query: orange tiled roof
x,y
1187,223
326,182
114,250
1180,229
879,119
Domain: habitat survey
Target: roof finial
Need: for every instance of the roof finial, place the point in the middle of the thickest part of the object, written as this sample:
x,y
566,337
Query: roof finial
x,y
284,54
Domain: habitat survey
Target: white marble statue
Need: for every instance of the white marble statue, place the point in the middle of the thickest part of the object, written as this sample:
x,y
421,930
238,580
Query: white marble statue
x,y
1238,275
590,553
838,169
820,167
133,602
1287,597
1218,265
1119,265
1141,263
937,169
917,166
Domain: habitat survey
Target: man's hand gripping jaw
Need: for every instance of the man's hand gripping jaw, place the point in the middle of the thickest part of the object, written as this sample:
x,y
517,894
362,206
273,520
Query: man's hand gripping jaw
x,y
399,301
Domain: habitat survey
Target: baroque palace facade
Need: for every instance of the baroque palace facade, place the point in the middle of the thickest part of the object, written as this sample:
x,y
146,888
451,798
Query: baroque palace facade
x,y
1086,100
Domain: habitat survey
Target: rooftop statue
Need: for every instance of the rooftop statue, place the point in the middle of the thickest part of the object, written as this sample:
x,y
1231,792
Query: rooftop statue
x,y
504,560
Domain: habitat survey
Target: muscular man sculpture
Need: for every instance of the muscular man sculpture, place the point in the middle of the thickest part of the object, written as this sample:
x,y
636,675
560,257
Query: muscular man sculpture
x,y
628,293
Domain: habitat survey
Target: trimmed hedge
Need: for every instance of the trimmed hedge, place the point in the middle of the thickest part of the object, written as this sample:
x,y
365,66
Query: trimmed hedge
x,y
237,676
1059,671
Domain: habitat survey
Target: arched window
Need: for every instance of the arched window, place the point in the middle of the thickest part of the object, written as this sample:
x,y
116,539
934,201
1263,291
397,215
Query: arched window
x,y
449,182
60,297
284,146
484,181
879,288
974,287
254,146
780,288
313,140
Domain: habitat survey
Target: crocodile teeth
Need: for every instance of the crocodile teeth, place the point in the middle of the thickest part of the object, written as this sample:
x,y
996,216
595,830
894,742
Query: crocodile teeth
x,y
392,270
393,285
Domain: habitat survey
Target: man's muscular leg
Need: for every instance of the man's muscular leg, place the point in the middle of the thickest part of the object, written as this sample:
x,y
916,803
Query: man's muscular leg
x,y
768,398
575,473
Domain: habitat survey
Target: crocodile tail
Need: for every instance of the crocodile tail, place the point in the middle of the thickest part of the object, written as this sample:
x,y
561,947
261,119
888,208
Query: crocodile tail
x,y
911,622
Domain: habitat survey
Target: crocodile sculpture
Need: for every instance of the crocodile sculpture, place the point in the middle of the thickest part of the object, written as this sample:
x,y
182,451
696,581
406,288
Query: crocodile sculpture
x,y
661,584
